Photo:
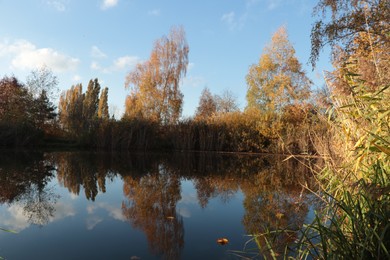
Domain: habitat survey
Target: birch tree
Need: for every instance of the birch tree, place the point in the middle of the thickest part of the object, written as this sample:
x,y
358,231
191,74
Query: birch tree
x,y
154,84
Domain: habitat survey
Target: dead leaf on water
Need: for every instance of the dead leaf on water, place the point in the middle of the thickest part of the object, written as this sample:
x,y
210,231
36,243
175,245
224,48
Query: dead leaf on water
x,y
222,241
170,217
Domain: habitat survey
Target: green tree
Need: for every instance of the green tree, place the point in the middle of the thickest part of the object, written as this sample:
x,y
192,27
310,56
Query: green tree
x,y
278,79
44,111
91,104
154,84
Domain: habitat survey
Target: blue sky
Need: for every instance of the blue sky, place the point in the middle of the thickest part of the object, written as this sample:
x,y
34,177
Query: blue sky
x,y
104,39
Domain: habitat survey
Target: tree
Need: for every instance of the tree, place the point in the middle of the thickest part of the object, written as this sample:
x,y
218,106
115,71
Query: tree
x,y
103,105
15,101
154,84
207,105
91,104
226,103
40,80
348,19
71,109
44,110
278,79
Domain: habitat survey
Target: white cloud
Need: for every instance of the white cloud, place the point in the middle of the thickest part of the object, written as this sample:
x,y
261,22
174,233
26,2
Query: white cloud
x,y
184,212
76,78
63,210
154,12
114,212
97,53
18,46
26,56
273,4
125,62
60,6
15,218
193,81
121,63
92,221
95,66
74,196
108,4
91,209
228,18
234,23
250,3
190,66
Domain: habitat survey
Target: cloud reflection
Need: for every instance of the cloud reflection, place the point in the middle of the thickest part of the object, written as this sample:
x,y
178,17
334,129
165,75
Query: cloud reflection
x,y
95,218
14,216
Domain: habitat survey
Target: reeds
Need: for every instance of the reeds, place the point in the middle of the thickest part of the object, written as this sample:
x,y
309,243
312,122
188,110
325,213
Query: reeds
x,y
355,184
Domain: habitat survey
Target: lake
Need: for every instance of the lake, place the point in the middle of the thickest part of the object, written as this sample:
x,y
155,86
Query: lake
x,y
92,205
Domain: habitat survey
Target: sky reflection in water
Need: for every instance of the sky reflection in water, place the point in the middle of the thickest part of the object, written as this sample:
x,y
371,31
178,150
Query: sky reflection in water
x,y
79,205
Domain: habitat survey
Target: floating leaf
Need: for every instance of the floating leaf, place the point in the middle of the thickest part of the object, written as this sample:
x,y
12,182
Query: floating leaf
x,y
170,218
222,241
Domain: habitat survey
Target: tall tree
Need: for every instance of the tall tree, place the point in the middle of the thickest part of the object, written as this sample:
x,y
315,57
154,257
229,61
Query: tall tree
x,y
348,19
43,79
278,79
91,100
154,84
44,111
207,105
91,104
15,101
103,105
71,109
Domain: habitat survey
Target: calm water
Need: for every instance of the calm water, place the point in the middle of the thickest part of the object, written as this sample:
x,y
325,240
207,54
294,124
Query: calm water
x,y
80,205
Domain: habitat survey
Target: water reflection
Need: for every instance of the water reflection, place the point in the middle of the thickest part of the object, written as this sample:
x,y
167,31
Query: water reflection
x,y
273,197
151,207
25,184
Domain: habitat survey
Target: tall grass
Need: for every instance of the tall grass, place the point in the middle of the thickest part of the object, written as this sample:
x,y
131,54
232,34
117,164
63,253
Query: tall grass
x,y
353,221
355,184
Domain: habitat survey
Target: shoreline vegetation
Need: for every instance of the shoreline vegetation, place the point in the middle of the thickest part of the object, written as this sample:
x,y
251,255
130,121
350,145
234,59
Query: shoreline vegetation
x,y
347,122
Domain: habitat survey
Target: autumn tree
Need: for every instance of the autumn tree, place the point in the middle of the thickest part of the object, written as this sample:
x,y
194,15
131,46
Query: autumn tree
x,y
23,117
15,101
103,105
348,19
154,84
278,79
71,109
79,112
151,206
207,105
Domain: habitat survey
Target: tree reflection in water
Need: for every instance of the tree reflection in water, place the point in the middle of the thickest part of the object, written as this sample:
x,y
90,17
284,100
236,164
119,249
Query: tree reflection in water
x,y
273,195
24,182
151,206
